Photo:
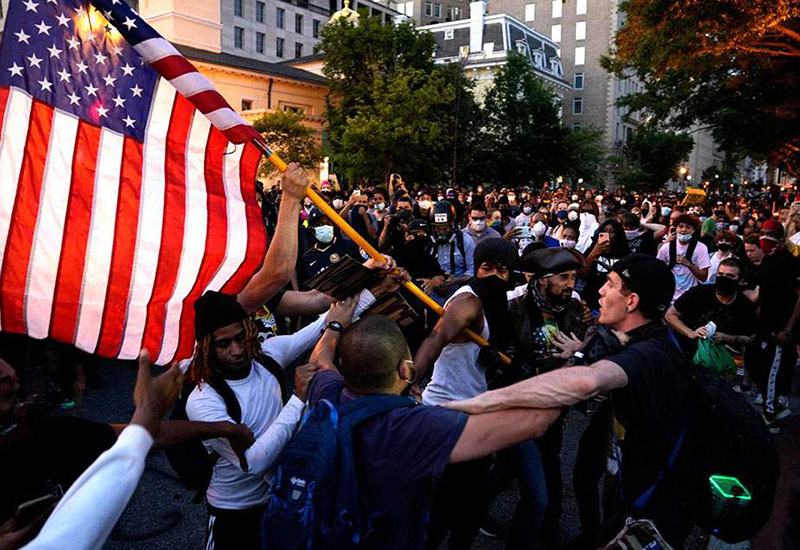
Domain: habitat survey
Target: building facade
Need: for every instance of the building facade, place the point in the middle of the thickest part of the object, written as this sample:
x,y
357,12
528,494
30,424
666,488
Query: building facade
x,y
483,42
430,12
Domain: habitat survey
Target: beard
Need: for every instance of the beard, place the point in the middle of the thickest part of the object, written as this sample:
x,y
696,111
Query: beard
x,y
492,292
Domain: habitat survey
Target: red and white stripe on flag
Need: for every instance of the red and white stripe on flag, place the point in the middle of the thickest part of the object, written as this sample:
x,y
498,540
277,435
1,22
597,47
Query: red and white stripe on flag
x,y
106,242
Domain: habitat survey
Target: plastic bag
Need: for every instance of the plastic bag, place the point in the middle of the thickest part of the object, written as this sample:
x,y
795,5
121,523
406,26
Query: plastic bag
x,y
714,357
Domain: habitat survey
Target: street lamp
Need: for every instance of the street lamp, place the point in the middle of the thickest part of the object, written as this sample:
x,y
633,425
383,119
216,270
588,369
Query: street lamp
x,y
689,177
682,170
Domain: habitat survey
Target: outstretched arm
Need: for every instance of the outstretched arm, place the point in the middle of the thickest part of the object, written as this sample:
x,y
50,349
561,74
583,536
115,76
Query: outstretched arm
x,y
279,262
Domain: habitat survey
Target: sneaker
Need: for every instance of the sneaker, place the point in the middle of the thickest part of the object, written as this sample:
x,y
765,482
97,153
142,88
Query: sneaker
x,y
782,412
759,400
771,420
491,527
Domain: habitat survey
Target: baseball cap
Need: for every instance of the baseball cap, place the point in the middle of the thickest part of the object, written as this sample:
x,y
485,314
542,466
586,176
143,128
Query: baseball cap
x,y
651,279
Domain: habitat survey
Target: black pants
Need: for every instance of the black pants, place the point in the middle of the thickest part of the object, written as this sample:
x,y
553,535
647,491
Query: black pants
x,y
771,366
590,465
234,529
459,504
550,450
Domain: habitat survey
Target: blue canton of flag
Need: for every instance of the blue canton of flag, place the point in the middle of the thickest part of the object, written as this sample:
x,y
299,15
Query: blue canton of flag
x,y
70,55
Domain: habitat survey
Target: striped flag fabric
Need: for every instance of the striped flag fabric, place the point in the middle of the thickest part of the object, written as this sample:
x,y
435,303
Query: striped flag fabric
x,y
127,183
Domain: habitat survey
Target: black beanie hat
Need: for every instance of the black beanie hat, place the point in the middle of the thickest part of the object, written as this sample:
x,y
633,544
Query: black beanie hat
x,y
496,250
651,279
215,310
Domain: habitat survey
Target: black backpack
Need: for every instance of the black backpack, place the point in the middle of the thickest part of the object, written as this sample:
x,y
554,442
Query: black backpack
x,y
673,251
190,460
726,438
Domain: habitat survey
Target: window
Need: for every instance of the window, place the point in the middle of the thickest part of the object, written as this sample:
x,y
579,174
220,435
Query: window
x,y
577,106
280,15
279,47
578,81
238,37
437,10
538,59
247,104
530,12
260,42
555,33
580,55
294,109
456,13
448,34
428,8
557,7
315,28
260,6
580,7
576,125
238,8
298,49
580,30
298,23
449,13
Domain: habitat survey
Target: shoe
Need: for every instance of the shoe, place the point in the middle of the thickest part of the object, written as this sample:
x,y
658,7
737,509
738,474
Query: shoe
x,y
66,404
759,400
491,528
771,420
782,412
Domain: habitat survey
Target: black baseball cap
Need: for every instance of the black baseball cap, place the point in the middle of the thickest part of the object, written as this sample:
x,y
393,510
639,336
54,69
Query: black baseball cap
x,y
651,279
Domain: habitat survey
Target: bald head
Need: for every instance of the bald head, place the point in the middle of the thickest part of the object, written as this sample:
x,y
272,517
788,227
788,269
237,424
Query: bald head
x,y
370,351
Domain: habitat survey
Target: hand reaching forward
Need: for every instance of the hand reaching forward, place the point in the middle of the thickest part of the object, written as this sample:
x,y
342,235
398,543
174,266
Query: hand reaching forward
x,y
154,397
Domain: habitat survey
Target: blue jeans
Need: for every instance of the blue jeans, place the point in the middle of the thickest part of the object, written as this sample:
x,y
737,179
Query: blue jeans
x,y
522,461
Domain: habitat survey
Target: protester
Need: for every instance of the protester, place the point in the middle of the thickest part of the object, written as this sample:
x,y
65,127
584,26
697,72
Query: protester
x,y
685,255
477,229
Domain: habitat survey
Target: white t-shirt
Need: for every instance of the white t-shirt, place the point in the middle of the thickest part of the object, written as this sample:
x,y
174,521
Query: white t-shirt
x,y
684,278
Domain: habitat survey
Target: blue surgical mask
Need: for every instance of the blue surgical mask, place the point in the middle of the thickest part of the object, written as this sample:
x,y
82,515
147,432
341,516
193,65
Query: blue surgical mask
x,y
684,238
324,233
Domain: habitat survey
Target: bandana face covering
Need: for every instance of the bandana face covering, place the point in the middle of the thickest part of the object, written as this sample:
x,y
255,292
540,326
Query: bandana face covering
x,y
768,244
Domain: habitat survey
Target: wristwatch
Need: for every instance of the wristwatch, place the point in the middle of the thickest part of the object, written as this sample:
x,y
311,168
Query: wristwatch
x,y
335,326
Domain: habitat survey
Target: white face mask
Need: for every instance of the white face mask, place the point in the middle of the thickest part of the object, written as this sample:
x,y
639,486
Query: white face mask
x,y
440,198
425,205
478,225
573,215
527,210
684,238
665,210
338,203
567,243
324,233
539,229
380,206
631,234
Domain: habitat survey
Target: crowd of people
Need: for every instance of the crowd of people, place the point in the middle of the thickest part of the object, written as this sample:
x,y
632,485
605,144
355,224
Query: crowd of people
x,y
541,273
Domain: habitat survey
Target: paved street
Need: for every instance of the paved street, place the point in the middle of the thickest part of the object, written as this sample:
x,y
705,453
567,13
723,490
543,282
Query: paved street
x,y
161,514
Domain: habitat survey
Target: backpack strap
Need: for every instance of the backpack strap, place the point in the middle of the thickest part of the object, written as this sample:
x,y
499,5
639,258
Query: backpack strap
x,y
366,407
673,251
275,370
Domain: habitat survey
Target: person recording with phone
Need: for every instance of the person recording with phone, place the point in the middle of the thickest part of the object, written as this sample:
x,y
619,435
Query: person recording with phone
x,y
609,246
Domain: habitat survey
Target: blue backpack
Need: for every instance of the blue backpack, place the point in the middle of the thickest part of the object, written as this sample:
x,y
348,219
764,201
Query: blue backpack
x,y
315,498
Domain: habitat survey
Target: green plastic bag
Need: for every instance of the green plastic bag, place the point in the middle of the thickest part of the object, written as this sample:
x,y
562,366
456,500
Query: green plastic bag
x,y
715,357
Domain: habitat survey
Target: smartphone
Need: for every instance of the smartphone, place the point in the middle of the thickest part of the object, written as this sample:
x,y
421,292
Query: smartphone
x,y
32,509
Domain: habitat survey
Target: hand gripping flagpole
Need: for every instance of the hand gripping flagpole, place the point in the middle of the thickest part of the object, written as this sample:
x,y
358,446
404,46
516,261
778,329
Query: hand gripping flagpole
x,y
348,230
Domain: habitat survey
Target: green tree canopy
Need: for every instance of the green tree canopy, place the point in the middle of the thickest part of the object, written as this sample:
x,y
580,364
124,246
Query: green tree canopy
x,y
651,158
289,138
733,65
586,154
524,136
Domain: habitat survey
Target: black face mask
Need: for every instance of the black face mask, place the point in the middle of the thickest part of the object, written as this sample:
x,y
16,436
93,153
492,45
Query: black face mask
x,y
726,286
492,292
724,246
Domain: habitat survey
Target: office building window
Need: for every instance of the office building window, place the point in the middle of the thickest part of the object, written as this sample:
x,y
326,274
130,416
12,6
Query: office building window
x,y
260,6
449,13
315,27
298,49
247,104
280,15
260,36
279,47
580,30
580,55
238,8
578,81
298,23
437,10
448,34
580,7
428,8
576,125
238,37
555,33
530,12
577,106
557,7
456,12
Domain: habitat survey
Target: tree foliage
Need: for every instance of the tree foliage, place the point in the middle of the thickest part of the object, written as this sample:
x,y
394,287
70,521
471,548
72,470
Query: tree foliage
x,y
523,132
587,157
732,65
289,138
651,158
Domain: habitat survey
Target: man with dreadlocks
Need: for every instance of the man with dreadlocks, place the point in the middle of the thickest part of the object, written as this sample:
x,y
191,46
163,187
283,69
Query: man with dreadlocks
x,y
481,305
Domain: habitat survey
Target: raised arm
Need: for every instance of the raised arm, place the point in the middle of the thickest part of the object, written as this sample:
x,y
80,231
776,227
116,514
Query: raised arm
x,y
279,261
459,314
554,389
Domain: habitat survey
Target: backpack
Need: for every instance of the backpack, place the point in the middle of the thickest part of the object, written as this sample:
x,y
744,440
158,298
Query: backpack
x,y
673,251
190,460
726,438
315,498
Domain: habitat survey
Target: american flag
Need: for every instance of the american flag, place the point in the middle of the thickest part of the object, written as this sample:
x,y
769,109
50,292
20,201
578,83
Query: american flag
x,y
126,182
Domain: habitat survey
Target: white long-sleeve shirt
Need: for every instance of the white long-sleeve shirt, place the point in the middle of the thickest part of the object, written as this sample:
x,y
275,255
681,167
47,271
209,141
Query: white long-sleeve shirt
x,y
259,397
88,512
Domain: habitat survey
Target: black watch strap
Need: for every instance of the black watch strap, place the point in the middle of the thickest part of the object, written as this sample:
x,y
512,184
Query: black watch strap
x,y
335,326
